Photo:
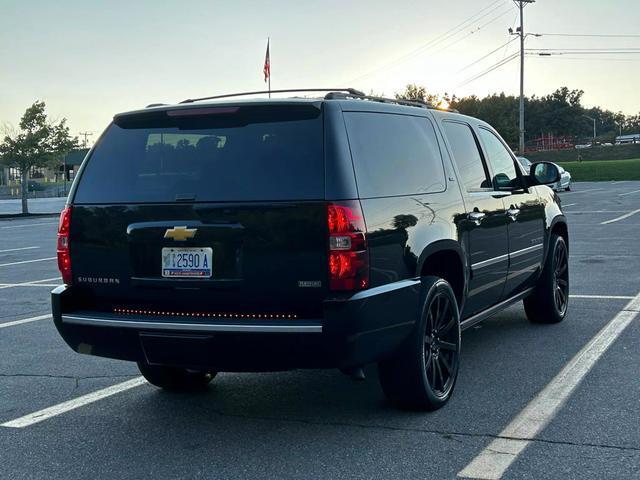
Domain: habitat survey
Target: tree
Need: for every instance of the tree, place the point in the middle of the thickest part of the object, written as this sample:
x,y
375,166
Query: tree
x,y
417,92
39,142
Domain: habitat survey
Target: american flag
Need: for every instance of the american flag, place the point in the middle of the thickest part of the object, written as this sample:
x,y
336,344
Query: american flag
x,y
267,65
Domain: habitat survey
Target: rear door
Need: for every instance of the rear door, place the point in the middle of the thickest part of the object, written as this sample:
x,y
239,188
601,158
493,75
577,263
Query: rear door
x,y
484,224
525,214
204,209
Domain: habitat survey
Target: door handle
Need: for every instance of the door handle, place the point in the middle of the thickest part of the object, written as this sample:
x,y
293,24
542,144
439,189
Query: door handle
x,y
513,213
476,217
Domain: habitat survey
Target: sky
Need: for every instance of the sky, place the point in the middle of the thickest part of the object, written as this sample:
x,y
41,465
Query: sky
x,y
91,59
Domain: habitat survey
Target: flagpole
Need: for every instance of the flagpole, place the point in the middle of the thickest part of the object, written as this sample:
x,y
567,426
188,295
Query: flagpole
x,y
269,47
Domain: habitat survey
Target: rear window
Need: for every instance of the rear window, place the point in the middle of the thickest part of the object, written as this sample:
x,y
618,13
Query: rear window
x,y
239,154
394,154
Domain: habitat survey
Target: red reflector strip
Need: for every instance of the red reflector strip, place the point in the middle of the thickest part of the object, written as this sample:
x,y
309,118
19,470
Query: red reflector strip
x,y
192,112
168,313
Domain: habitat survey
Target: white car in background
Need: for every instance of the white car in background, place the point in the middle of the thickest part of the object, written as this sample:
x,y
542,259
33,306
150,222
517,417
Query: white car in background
x,y
565,177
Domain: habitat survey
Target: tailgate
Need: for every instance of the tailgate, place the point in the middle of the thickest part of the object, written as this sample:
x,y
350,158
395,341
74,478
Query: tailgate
x,y
265,257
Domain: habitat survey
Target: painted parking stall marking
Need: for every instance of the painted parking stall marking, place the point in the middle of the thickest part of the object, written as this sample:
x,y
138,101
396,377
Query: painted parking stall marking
x,y
628,193
17,249
28,261
583,191
30,225
495,459
622,217
24,320
603,297
42,415
33,283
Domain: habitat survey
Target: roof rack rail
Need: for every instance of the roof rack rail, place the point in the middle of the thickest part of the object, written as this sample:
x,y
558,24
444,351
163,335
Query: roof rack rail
x,y
397,101
151,105
352,91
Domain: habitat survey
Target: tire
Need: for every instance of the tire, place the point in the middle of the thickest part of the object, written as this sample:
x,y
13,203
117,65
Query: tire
x,y
549,301
175,379
422,374
568,189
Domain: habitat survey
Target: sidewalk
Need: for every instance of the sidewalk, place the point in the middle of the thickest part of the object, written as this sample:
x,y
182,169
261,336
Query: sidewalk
x,y
36,205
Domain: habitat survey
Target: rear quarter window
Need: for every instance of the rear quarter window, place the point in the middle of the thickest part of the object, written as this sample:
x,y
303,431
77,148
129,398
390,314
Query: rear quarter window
x,y
394,154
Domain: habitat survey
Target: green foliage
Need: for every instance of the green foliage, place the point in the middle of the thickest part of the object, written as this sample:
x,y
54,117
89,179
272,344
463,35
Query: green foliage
x,y
417,92
617,152
605,170
38,142
560,114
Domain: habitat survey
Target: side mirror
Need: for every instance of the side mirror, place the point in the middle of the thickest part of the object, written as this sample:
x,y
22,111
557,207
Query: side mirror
x,y
544,173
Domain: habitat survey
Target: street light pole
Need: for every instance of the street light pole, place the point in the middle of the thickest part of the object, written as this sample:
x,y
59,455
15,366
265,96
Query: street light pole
x,y
521,4
594,126
64,173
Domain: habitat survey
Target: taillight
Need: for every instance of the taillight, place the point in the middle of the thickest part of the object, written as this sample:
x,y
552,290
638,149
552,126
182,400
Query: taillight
x,y
348,256
64,259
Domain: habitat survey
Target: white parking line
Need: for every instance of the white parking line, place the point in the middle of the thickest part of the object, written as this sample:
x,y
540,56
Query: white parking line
x,y
17,249
64,407
24,320
33,283
583,191
28,261
30,225
569,205
628,193
617,219
603,297
494,460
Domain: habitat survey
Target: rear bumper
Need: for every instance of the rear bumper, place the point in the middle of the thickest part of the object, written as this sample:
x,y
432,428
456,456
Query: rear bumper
x,y
353,331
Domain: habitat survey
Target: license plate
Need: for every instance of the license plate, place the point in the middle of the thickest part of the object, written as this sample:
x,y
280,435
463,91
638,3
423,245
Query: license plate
x,y
187,262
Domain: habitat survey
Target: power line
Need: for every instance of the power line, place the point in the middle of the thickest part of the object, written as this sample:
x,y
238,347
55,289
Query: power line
x,y
492,7
597,35
472,32
582,52
485,56
587,58
493,67
584,49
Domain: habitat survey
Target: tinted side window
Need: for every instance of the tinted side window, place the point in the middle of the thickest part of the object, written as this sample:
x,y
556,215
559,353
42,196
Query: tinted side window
x,y
504,170
466,155
394,154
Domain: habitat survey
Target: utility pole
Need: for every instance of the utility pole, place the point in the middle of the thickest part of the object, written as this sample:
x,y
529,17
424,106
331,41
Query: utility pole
x,y
520,31
85,135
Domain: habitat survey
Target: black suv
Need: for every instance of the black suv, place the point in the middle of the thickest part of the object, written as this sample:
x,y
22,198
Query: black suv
x,y
331,232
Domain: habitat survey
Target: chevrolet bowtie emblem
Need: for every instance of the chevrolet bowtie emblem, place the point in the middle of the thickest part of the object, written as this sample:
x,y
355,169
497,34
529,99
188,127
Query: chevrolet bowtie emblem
x,y
180,234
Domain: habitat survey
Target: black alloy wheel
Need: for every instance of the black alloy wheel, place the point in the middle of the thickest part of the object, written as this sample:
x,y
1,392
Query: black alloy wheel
x,y
561,278
441,345
549,301
422,373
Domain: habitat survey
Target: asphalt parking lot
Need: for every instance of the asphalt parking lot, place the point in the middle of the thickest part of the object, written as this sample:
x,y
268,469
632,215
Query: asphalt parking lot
x,y
320,424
